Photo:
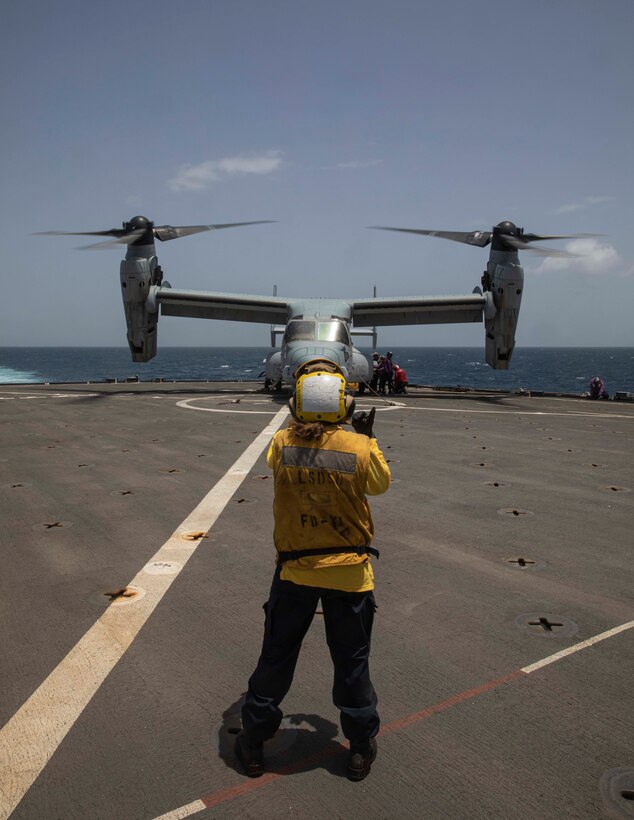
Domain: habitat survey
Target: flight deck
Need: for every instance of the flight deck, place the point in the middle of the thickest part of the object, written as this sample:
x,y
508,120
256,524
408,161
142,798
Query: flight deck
x,y
136,554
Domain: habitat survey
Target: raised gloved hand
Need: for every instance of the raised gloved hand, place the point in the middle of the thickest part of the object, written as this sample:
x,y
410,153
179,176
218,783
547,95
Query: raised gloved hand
x,y
362,422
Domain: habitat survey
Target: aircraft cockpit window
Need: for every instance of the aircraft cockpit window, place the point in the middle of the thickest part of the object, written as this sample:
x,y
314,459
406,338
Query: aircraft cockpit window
x,y
300,332
333,332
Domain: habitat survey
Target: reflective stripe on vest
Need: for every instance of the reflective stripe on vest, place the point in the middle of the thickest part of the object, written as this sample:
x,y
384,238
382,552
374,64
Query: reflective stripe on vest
x,y
319,459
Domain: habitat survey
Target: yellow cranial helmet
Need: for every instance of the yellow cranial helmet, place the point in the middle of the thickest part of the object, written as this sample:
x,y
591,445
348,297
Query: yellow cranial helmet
x,y
320,393
313,365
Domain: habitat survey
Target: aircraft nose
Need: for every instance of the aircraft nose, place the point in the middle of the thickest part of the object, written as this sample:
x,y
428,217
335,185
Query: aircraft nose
x,y
303,355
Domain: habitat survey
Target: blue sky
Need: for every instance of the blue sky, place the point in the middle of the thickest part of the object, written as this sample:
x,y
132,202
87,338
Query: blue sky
x,y
328,117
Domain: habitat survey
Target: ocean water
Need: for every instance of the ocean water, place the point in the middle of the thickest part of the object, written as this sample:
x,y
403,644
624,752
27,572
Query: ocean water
x,y
552,369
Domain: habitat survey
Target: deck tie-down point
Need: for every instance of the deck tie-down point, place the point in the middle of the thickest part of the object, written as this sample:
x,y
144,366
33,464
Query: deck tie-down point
x,y
525,564
545,624
52,525
193,536
121,592
617,790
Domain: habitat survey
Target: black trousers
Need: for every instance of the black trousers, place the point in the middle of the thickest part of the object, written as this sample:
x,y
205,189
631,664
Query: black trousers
x,y
385,381
348,617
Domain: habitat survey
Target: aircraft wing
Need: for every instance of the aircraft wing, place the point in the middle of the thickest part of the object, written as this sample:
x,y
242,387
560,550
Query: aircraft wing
x,y
237,307
393,310
418,310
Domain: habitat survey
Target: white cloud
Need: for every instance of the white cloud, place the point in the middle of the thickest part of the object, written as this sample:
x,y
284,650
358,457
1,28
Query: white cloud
x,y
586,202
595,258
201,176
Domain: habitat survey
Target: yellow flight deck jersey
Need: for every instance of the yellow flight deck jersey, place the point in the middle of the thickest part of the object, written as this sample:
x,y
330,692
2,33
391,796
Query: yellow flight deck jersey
x,y
320,501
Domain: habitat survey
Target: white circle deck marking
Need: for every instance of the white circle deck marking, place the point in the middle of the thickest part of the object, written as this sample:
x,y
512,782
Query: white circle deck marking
x,y
163,568
187,405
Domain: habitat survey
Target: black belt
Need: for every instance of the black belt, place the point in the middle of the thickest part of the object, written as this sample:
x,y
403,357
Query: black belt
x,y
293,555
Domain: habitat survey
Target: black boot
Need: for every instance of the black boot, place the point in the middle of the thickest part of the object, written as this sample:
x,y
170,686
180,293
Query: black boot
x,y
362,755
251,754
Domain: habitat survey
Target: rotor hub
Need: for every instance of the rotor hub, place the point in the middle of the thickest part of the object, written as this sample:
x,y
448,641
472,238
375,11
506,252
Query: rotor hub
x,y
502,232
508,228
138,223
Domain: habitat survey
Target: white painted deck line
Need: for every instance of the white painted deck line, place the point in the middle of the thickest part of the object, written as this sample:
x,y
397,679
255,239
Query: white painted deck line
x,y
29,739
184,811
533,667
502,412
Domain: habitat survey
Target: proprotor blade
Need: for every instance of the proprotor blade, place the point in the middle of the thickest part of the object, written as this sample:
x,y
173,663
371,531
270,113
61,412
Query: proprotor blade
x,y
113,232
127,238
479,238
167,232
535,237
505,236
121,236
519,245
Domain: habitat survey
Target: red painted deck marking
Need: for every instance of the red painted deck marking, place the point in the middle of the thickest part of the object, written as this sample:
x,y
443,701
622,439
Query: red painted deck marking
x,y
216,798
428,711
249,786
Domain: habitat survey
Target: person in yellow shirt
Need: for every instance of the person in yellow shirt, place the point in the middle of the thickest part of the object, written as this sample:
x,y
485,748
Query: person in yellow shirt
x,y
323,535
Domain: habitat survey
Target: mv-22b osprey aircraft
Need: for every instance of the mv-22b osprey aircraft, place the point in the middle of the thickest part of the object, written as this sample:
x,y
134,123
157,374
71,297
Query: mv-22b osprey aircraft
x,y
314,328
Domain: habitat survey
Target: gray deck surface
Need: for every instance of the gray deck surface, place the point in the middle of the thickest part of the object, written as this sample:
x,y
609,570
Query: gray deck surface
x,y
480,481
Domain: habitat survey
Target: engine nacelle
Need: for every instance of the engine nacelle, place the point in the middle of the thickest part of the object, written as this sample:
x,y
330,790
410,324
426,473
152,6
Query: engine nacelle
x,y
138,274
504,281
